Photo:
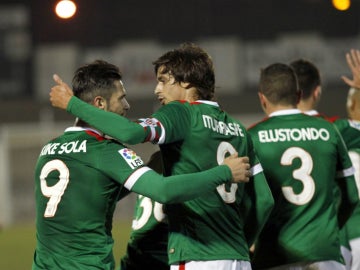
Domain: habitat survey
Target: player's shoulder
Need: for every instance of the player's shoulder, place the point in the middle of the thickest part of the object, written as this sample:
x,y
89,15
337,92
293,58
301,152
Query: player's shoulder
x,y
175,105
258,124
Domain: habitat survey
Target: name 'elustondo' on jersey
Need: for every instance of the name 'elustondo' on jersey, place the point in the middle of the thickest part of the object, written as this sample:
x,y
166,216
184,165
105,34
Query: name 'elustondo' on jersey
x,y
293,134
233,129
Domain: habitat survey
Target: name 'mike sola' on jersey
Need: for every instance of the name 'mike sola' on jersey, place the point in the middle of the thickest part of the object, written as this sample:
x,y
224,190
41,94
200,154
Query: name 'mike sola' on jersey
x,y
80,146
67,148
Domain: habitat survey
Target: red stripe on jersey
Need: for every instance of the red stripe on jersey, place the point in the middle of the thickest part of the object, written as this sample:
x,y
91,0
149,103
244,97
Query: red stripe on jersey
x,y
195,103
182,101
94,134
263,120
182,266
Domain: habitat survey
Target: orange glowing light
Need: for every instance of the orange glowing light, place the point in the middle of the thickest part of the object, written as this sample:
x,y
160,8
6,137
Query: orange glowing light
x,y
65,9
341,5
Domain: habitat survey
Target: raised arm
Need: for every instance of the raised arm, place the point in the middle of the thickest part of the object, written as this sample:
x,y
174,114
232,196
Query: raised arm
x,y
353,61
112,124
60,93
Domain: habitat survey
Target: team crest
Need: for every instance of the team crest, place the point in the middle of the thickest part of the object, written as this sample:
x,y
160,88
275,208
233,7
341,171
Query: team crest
x,y
131,158
152,122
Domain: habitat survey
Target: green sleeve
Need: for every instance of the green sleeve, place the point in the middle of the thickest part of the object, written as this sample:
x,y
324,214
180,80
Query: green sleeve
x,y
180,188
347,184
111,124
176,120
258,201
349,199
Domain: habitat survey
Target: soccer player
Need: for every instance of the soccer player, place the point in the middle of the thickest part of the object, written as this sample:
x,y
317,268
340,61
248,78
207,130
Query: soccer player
x,y
301,156
309,80
193,136
80,175
147,246
350,130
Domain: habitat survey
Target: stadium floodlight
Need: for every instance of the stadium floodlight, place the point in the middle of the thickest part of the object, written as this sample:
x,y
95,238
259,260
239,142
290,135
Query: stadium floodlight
x,y
341,5
65,9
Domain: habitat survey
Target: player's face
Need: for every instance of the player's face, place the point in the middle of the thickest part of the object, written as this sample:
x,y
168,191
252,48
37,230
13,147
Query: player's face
x,y
118,103
167,89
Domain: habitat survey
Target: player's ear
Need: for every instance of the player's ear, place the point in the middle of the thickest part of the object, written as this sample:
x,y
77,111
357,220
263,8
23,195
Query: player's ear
x,y
317,92
100,102
261,97
185,85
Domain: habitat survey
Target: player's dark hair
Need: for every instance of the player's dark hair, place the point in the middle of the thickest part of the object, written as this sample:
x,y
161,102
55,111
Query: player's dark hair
x,y
308,76
190,64
278,82
95,79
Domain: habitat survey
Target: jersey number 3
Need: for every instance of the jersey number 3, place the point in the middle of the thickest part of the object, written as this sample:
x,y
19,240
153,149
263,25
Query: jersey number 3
x,y
302,174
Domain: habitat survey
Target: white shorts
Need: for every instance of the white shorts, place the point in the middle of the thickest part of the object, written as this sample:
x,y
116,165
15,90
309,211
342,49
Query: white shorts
x,y
325,265
346,253
355,250
212,265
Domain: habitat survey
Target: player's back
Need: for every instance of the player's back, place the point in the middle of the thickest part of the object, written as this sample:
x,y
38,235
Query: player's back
x,y
350,131
197,226
300,157
75,203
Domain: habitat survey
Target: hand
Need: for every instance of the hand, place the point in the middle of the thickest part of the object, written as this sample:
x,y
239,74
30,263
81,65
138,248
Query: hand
x,y
60,94
240,168
353,61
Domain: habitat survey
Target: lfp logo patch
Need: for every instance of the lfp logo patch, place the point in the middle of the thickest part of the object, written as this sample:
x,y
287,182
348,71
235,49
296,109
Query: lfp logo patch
x,y
131,158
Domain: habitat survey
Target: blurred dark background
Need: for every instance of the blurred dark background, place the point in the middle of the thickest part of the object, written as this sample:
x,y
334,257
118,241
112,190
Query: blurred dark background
x,y
242,36
28,28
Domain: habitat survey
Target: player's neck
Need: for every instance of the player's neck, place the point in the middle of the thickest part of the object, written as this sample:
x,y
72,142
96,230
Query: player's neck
x,y
274,108
83,124
305,106
191,95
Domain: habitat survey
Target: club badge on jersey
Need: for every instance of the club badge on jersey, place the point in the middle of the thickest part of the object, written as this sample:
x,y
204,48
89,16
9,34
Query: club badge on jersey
x,y
131,158
154,129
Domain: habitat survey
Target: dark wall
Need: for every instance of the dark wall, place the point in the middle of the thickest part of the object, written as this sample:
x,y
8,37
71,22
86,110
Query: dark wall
x,y
103,22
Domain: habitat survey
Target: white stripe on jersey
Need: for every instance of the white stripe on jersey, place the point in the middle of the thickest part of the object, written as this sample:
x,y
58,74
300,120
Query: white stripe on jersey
x,y
345,173
256,169
151,123
130,182
162,137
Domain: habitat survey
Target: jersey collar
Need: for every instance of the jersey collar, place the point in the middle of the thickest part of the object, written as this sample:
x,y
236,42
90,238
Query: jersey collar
x,y
285,112
82,129
312,112
209,102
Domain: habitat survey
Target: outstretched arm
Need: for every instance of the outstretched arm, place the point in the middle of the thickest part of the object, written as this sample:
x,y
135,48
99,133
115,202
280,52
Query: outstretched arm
x,y
353,61
179,188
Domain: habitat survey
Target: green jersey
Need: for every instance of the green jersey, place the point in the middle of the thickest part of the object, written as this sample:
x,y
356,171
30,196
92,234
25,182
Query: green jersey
x,y
301,156
78,179
147,247
194,137
210,227
350,131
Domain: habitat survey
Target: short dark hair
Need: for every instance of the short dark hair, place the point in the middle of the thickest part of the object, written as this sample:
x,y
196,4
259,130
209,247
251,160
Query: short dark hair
x,y
308,76
191,64
279,84
96,78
